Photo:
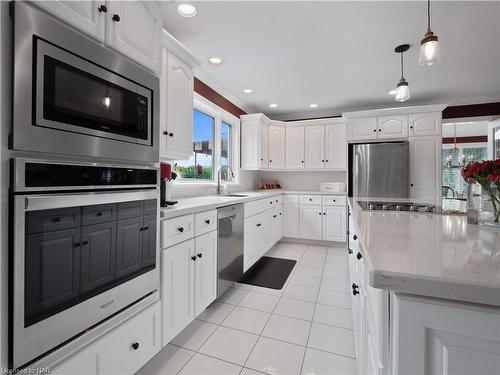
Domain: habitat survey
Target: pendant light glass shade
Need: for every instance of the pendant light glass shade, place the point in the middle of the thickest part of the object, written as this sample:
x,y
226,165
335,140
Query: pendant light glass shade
x,y
402,91
429,46
429,50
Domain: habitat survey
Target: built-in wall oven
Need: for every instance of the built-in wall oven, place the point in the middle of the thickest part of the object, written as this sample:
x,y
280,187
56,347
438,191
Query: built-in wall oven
x,y
84,248
74,96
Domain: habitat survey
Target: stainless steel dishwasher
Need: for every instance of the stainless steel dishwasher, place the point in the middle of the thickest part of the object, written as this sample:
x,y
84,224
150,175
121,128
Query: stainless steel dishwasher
x,y
230,247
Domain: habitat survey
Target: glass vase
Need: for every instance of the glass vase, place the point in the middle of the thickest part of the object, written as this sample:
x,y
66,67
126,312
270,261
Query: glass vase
x,y
482,208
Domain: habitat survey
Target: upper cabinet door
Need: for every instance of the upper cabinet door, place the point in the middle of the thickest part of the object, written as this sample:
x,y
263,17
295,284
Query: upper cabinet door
x,y
395,126
88,16
276,147
176,112
264,145
422,124
362,128
134,28
314,146
335,146
294,147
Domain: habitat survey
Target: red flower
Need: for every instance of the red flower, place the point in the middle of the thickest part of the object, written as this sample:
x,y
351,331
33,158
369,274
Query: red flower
x,y
494,177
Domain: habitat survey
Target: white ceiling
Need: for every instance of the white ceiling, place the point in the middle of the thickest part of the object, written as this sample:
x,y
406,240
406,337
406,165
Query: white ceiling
x,y
340,55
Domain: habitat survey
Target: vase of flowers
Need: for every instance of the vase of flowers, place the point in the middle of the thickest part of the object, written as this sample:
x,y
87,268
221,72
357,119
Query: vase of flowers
x,y
483,203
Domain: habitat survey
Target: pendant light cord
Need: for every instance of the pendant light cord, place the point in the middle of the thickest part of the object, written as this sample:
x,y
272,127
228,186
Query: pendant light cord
x,y
402,71
428,15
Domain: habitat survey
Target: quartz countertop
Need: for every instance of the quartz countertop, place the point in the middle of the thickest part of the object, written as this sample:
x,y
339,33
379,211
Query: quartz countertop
x,y
194,205
433,255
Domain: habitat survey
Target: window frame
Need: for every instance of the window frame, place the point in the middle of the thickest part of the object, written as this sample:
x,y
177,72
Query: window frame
x,y
220,115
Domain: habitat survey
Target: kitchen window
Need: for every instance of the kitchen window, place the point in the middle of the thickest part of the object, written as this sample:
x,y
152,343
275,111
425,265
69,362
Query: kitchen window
x,y
215,133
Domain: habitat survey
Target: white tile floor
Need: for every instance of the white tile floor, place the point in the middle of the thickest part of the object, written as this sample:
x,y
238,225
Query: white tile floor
x,y
305,328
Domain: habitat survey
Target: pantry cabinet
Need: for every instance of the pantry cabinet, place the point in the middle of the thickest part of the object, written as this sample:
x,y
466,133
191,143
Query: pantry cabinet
x,y
87,16
176,111
425,169
315,146
276,147
294,142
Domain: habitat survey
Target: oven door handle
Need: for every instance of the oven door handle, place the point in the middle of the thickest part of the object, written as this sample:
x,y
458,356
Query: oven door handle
x,y
50,201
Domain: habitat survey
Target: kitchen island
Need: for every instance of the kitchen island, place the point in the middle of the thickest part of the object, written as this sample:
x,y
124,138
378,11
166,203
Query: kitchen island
x,y
425,293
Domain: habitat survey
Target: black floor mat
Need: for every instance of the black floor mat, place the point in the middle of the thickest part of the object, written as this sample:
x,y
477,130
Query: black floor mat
x,y
269,272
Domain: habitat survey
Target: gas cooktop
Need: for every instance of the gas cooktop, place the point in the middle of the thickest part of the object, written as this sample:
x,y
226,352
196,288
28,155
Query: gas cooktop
x,y
399,206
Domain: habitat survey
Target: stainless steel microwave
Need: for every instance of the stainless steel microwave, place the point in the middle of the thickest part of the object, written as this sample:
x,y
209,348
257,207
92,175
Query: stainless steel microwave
x,y
74,96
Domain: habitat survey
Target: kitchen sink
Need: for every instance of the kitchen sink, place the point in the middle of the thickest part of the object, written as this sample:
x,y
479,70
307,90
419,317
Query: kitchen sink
x,y
236,195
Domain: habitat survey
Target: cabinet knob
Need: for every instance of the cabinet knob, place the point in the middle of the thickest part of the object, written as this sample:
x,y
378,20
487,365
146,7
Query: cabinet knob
x,y
275,215
355,289
170,134
411,127
374,130
165,132
319,213
411,185
207,221
180,229
56,219
326,160
259,224
354,237
135,345
302,161
103,8
359,256
380,130
116,18
261,159
193,258
199,255
270,161
323,161
310,200
349,251
324,213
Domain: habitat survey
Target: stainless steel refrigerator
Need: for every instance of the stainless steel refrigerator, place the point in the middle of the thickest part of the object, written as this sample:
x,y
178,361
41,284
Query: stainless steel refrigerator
x,y
380,170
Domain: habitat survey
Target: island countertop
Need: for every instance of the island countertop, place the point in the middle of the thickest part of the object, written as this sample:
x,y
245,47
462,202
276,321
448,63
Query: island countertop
x,y
432,255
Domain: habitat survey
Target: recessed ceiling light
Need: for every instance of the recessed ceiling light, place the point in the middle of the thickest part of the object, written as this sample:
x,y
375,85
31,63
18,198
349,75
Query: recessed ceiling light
x,y
313,105
215,60
247,91
393,92
187,10
273,105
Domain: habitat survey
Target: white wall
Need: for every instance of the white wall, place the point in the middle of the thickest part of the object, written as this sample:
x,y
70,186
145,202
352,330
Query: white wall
x,y
298,180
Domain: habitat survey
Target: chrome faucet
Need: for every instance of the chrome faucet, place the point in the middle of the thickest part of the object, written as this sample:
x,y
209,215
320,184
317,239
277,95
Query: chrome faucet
x,y
219,174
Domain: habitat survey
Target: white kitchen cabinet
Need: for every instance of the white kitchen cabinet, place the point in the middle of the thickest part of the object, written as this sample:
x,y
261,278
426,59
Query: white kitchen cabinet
x,y
425,169
276,147
135,29
88,16
176,110
255,142
334,223
362,128
392,126
315,146
437,337
254,240
124,350
291,221
311,222
276,226
335,146
177,288
294,144
205,271
425,124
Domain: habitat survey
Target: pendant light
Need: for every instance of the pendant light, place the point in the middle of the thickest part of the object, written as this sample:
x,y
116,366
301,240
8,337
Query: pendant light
x,y
402,88
429,46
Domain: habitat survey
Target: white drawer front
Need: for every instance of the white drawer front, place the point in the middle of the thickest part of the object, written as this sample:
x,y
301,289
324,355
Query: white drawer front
x,y
310,200
290,200
176,230
205,222
334,200
255,207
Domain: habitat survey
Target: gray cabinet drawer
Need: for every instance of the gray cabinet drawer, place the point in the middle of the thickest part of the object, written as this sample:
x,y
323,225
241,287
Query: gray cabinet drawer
x,y
101,213
127,210
150,207
51,220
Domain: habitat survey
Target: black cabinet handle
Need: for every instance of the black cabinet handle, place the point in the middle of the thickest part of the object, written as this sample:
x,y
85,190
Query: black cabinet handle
x,y
171,134
276,201
323,161
319,213
200,255
280,213
355,289
145,228
259,224
193,257
411,185
359,256
103,8
349,251
275,215
334,200
380,130
302,161
180,229
310,200
374,130
165,132
56,219
411,127
207,221
116,18
270,161
84,243
261,159
270,202
99,214
326,160
135,345
354,237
